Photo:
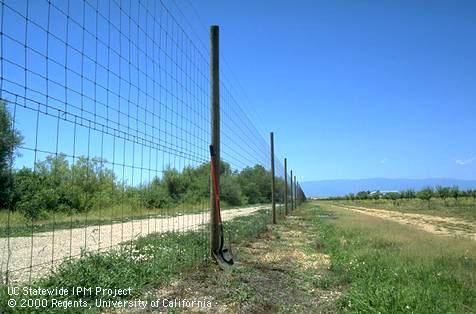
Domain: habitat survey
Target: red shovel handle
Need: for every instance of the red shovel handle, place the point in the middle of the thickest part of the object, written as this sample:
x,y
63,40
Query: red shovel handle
x,y
216,190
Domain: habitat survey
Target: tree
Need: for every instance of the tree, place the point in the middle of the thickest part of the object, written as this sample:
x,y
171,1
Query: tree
x,y
362,195
155,195
443,193
454,193
28,196
409,194
175,184
230,190
255,184
393,196
425,195
10,139
473,194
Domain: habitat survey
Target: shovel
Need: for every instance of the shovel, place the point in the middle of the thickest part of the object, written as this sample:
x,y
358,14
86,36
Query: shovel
x,y
222,255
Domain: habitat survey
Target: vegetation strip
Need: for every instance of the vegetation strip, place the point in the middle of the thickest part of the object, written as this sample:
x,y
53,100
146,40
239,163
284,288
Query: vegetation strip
x,y
278,272
388,267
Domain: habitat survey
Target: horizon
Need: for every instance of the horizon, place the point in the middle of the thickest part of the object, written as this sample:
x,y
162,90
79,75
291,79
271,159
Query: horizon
x,y
388,178
341,187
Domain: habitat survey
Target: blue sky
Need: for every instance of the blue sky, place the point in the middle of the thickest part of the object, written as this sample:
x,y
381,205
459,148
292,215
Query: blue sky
x,y
352,89
356,89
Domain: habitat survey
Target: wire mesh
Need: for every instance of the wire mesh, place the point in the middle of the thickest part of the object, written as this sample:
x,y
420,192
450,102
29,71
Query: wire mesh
x,y
108,105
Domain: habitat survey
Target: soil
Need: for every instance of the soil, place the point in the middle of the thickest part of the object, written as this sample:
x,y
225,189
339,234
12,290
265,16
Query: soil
x,y
277,272
447,226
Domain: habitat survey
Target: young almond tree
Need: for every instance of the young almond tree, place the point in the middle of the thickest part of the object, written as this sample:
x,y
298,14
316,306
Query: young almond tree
x,y
394,196
472,193
425,195
409,194
454,193
443,193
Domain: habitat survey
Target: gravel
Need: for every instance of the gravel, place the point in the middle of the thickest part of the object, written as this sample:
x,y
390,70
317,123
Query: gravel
x,y
27,258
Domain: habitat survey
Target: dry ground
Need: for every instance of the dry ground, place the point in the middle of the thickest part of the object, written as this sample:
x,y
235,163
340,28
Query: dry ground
x,y
448,226
278,272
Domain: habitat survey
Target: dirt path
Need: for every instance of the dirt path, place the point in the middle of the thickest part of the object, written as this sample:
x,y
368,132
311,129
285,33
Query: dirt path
x,y
448,226
28,258
278,272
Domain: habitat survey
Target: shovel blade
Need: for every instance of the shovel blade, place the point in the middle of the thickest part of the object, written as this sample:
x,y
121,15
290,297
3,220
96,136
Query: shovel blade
x,y
224,259
227,257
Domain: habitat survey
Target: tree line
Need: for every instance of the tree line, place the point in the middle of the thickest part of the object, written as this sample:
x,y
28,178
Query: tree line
x,y
426,194
57,185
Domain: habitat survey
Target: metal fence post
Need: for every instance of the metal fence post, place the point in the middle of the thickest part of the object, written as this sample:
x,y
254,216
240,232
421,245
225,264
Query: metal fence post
x,y
215,130
291,188
273,181
295,193
285,186
299,193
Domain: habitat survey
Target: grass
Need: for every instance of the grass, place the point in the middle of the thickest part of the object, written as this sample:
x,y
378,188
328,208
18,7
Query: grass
x,y
148,262
19,225
319,259
464,208
276,272
387,267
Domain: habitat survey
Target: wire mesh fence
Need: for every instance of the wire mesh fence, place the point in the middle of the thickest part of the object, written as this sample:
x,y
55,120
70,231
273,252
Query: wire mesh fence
x,y
105,110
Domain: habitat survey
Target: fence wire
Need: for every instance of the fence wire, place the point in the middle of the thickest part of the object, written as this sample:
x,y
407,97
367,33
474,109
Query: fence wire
x,y
106,118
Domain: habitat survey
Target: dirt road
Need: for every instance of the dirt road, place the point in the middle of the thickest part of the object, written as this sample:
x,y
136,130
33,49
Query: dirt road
x,y
27,258
448,226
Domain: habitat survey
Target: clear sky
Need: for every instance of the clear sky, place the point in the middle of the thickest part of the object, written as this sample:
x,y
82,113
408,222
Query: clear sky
x,y
356,89
352,89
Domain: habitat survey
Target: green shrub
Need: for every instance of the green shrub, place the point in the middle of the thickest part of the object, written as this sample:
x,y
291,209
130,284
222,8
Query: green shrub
x,y
155,195
10,139
58,186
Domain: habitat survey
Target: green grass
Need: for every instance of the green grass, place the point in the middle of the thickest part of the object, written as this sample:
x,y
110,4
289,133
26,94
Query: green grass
x,y
391,268
464,208
275,272
144,264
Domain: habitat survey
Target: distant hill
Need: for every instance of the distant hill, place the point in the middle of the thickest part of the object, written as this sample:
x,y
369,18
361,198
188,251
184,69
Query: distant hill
x,y
325,188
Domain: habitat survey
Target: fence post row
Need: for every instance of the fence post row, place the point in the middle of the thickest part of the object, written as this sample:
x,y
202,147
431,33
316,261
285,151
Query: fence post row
x,y
273,182
215,131
215,141
285,186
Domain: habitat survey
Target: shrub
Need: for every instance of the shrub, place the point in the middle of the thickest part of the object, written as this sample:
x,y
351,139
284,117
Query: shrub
x,y
10,139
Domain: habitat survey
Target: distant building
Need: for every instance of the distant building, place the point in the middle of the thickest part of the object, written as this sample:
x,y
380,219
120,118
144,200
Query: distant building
x,y
382,192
